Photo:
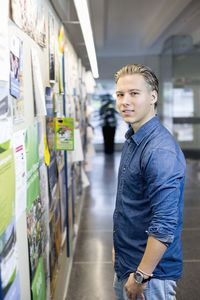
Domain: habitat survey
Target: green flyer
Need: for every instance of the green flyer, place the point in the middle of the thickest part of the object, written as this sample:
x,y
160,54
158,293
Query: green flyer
x,y
64,134
33,189
7,186
32,155
38,284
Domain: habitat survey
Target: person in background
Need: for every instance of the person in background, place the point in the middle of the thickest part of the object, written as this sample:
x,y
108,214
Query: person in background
x,y
148,216
108,122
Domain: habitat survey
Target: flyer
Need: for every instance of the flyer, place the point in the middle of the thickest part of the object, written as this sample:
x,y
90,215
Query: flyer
x,y
38,284
39,97
7,185
32,154
64,134
77,154
4,49
9,264
49,101
62,186
45,223
51,49
53,180
20,172
29,16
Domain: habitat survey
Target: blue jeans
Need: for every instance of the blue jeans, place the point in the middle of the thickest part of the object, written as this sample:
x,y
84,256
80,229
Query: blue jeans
x,y
156,289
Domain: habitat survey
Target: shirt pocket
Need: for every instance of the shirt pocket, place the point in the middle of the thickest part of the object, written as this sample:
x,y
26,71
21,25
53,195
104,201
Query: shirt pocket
x,y
134,185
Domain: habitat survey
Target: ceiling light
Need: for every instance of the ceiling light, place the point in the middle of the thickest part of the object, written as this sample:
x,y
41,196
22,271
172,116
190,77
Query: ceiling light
x,y
83,15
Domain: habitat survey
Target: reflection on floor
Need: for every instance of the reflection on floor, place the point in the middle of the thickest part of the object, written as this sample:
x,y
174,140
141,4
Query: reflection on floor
x,y
92,271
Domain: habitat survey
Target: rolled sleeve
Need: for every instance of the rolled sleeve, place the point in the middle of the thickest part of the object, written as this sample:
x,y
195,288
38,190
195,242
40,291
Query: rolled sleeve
x,y
163,175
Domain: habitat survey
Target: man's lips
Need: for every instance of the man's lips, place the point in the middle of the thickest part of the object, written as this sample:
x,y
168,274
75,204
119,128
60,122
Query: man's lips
x,y
127,111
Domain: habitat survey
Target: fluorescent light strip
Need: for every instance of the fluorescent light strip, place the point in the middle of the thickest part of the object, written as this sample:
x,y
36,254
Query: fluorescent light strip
x,y
83,15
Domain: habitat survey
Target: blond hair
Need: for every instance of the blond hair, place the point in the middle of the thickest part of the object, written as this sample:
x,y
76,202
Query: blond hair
x,y
148,75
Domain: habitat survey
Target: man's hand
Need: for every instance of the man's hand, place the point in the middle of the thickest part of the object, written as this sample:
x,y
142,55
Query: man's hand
x,y
113,256
134,289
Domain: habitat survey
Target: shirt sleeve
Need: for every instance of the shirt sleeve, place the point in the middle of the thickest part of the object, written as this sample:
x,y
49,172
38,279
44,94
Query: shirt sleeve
x,y
164,175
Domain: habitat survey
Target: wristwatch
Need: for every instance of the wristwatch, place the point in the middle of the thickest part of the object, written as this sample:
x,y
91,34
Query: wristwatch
x,y
139,277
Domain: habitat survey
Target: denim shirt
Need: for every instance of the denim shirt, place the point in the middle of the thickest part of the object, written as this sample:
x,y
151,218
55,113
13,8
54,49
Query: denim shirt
x,y
149,200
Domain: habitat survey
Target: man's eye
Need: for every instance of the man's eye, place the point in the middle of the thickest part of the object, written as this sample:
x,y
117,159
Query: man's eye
x,y
119,95
134,93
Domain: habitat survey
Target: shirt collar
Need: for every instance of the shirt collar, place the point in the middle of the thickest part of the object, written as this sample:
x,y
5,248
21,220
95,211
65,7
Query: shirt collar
x,y
144,131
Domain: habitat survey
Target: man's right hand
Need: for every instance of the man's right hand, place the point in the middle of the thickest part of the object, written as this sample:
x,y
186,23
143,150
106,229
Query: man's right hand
x,y
113,256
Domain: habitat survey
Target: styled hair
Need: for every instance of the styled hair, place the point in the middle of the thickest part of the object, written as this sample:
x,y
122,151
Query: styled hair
x,y
148,75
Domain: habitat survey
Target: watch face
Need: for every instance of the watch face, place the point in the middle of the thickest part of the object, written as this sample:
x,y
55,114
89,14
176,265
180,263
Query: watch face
x,y
138,277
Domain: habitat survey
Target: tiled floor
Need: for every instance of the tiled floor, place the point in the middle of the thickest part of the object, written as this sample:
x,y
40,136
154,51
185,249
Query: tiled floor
x,y
92,271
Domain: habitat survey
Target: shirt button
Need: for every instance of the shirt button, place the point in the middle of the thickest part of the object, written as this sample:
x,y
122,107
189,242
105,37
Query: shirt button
x,y
124,169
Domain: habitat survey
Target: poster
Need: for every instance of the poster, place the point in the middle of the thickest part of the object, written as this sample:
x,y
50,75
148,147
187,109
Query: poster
x,y
49,101
53,180
4,94
9,265
41,142
15,64
4,49
51,49
45,223
39,97
77,154
29,16
7,185
62,203
64,134
32,164
20,172
32,154
50,133
38,284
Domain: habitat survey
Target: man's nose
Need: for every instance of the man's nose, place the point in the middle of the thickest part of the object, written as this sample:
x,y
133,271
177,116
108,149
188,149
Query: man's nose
x,y
126,99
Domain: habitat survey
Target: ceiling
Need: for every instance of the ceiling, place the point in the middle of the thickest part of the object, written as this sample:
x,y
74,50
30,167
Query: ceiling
x,y
128,29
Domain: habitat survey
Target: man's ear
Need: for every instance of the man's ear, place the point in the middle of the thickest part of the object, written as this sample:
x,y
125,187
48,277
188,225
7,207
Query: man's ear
x,y
154,97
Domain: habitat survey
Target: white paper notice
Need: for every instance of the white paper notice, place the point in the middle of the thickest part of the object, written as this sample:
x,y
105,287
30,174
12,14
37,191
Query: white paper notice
x,y
38,86
77,154
85,181
4,49
20,172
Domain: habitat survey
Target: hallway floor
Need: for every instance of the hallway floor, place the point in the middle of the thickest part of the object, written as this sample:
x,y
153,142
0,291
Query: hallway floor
x,y
92,270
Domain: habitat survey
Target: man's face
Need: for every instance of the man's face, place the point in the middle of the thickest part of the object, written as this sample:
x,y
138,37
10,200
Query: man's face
x,y
135,100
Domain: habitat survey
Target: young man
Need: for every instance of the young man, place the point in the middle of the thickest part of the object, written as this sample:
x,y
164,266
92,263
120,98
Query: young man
x,y
147,252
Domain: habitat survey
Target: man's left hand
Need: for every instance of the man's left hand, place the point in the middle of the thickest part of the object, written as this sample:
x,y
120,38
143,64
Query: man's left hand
x,y
134,289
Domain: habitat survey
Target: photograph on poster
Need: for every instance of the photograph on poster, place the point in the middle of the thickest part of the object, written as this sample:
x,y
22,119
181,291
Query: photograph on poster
x,y
35,234
15,63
